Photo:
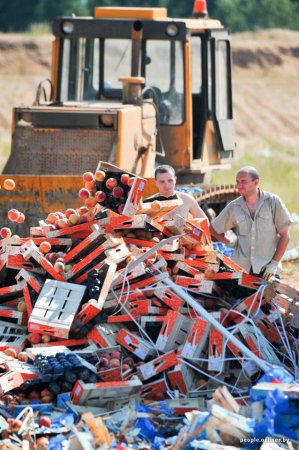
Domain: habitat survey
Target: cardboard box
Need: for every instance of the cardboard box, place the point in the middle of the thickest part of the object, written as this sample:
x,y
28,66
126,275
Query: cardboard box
x,y
174,331
182,378
55,308
99,394
135,344
196,339
157,365
134,196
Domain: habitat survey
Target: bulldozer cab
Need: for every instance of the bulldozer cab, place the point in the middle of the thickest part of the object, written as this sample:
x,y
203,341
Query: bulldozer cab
x,y
186,66
129,86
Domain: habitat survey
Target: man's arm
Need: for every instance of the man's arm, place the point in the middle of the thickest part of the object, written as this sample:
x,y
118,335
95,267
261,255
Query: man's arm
x,y
284,238
194,208
221,237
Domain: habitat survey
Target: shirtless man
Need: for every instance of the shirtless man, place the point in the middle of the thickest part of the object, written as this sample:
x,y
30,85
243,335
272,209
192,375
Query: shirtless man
x,y
165,181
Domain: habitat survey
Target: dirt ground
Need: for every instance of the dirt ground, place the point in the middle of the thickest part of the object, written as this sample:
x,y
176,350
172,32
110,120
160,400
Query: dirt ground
x,y
265,91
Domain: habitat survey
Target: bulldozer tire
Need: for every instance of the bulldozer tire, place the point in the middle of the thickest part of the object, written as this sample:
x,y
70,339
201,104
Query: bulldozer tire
x,y
214,198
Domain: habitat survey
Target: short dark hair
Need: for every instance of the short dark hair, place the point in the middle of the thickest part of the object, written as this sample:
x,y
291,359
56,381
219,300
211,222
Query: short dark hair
x,y
251,171
164,169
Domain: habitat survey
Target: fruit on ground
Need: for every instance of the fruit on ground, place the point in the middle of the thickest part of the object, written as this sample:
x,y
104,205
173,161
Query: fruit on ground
x,y
9,184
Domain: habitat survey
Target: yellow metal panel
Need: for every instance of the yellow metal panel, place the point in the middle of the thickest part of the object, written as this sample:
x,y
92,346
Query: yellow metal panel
x,y
150,188
129,137
130,13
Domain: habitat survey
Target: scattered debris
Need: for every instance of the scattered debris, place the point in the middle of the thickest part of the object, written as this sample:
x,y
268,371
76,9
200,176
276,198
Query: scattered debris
x,y
121,318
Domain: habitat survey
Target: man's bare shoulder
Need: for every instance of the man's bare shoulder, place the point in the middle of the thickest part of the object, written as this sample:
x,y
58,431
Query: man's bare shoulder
x,y
185,197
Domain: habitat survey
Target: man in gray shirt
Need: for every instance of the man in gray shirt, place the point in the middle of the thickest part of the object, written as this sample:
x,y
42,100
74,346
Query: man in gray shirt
x,y
261,223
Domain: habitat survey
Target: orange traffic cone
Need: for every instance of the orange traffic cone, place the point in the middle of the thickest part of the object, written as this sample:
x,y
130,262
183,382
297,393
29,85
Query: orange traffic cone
x,y
200,9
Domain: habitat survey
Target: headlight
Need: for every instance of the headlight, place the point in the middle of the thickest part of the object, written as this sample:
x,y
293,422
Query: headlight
x,y
107,120
67,27
172,30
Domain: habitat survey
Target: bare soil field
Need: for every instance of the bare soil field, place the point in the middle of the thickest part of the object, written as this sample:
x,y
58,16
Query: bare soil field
x,y
265,92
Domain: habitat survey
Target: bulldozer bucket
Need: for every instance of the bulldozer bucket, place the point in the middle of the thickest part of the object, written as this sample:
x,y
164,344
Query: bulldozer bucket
x,y
37,196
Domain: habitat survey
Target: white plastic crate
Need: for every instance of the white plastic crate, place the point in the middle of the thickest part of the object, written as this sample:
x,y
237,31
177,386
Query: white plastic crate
x,y
55,308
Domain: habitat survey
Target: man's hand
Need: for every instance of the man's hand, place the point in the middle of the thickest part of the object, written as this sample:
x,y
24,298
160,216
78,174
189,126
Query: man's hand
x,y
270,269
233,242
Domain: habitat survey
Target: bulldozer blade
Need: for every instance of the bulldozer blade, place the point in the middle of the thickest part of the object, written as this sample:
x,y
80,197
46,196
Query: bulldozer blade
x,y
36,197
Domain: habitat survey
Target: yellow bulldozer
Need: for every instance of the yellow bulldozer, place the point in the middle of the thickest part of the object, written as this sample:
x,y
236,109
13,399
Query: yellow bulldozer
x,y
132,87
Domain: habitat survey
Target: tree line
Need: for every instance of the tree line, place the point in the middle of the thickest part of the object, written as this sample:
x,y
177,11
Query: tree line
x,y
238,15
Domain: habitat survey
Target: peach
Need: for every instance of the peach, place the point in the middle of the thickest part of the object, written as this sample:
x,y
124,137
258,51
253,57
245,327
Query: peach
x,y
128,360
44,421
114,362
100,175
115,354
90,202
90,216
209,274
117,192
111,183
45,247
82,210
22,356
13,214
11,352
45,338
88,176
84,193
52,217
9,184
125,367
21,218
34,338
90,185
42,443
21,306
34,395
74,219
121,208
5,232
62,223
100,196
69,212
104,362
45,392
59,266
124,178
131,181
60,214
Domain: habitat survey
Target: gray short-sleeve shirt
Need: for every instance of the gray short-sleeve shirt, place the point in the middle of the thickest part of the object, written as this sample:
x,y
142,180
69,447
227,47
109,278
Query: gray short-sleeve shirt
x,y
258,237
